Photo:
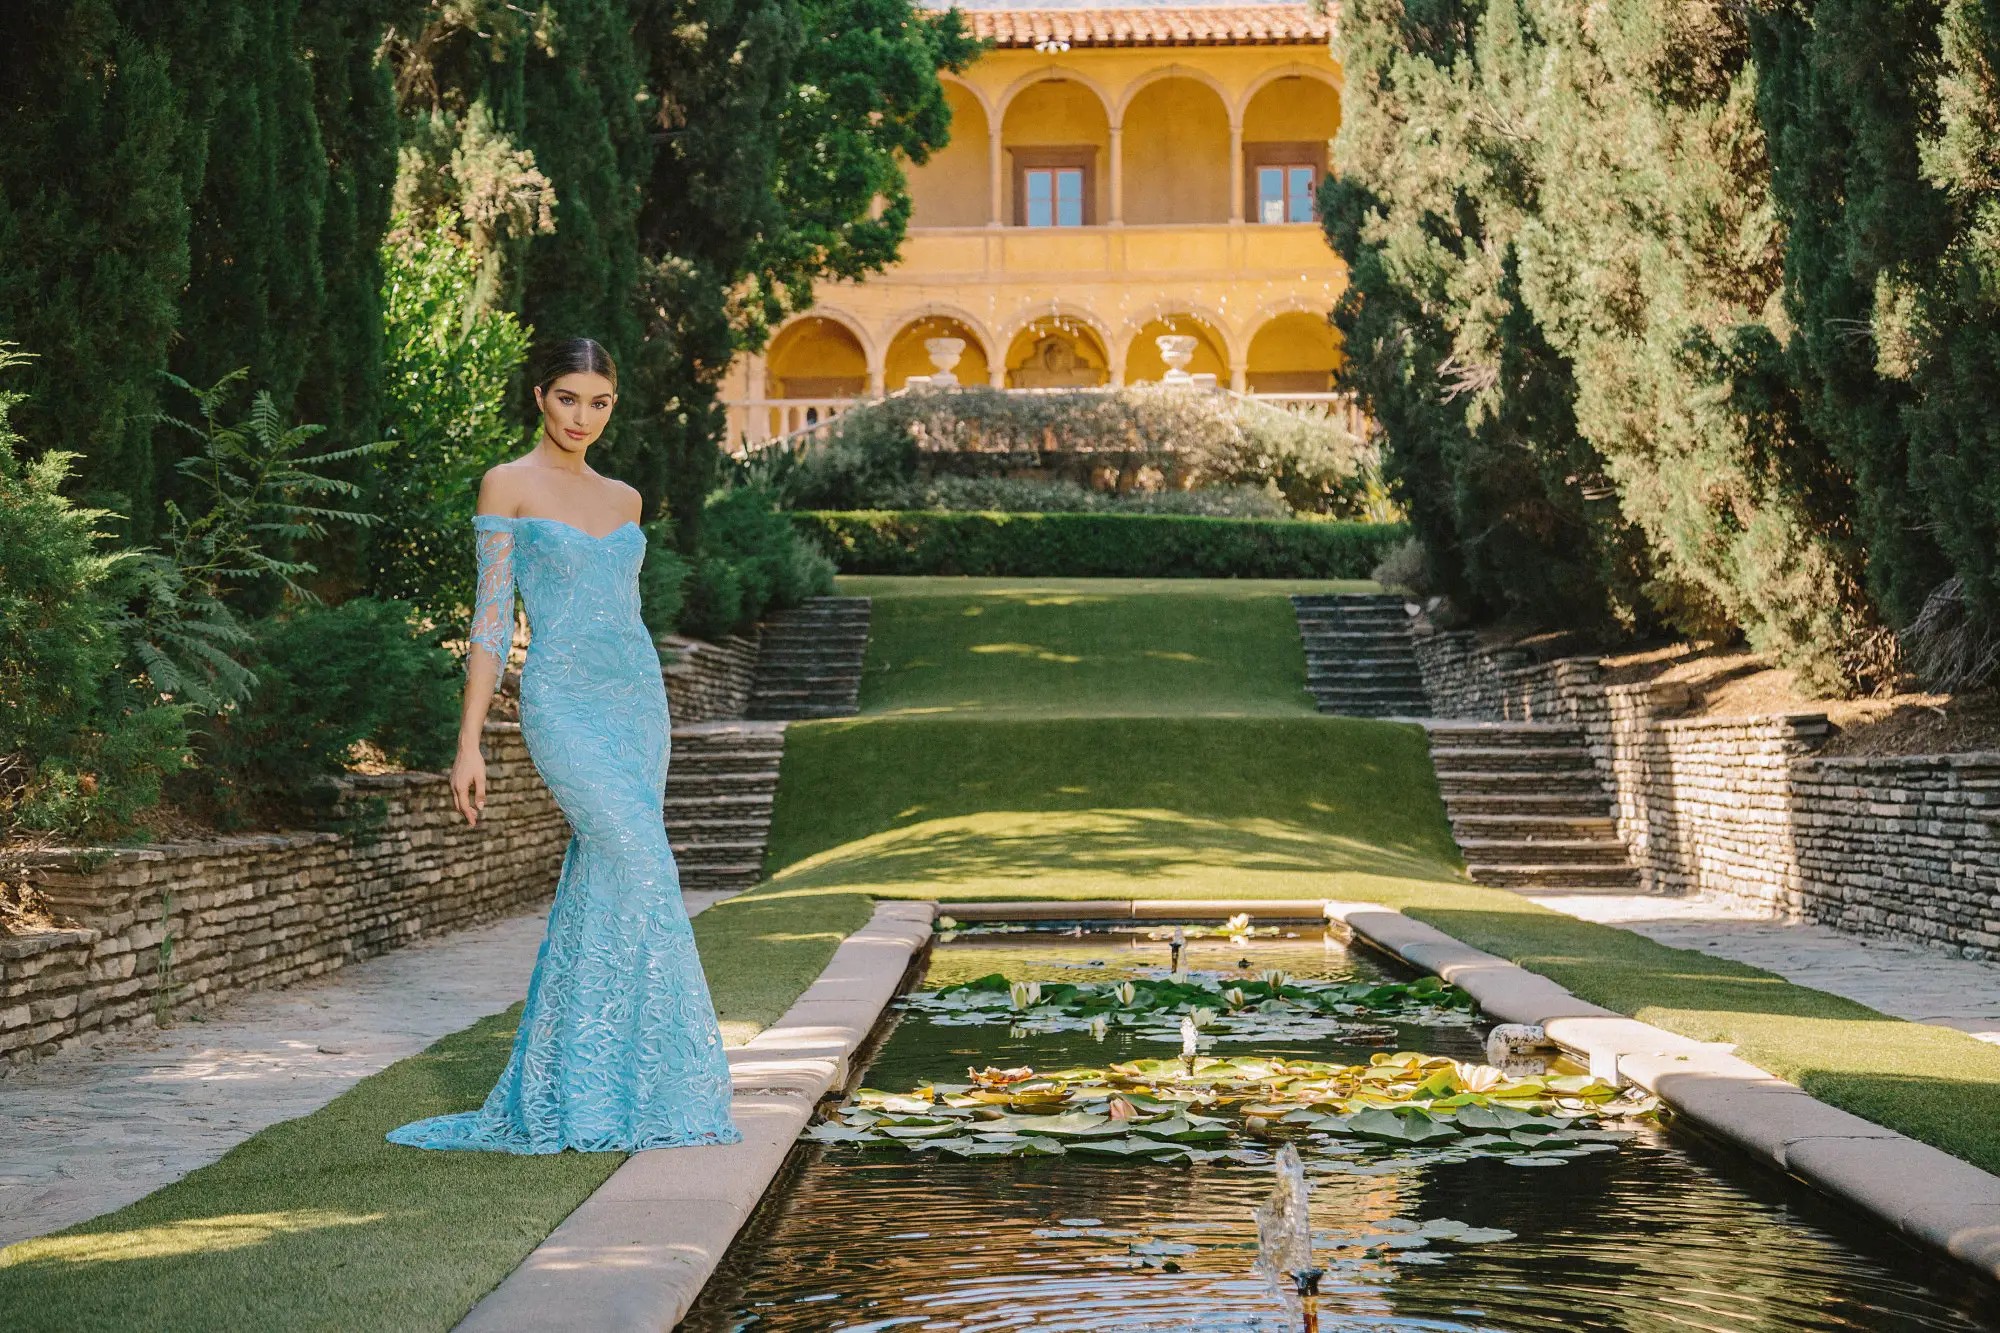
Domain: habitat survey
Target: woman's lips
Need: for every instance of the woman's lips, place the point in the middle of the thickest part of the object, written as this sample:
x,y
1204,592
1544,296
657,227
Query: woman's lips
x,y
576,434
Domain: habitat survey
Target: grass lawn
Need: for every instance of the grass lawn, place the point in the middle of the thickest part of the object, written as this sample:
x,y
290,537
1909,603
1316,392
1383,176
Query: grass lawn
x,y
1085,647
1020,739
318,1223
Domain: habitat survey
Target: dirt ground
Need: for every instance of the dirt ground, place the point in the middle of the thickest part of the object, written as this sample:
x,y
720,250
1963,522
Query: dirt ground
x,y
1728,681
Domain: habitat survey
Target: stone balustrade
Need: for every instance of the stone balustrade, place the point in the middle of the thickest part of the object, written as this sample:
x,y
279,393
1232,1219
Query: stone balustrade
x,y
1746,809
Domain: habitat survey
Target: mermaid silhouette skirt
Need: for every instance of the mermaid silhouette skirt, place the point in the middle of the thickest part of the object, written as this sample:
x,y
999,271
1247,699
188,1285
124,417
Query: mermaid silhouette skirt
x,y
618,1047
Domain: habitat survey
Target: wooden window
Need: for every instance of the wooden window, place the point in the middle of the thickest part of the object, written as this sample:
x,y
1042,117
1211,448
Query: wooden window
x,y
1055,187
1282,180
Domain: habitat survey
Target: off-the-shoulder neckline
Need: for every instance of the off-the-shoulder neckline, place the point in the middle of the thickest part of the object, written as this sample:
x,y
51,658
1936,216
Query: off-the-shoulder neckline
x,y
537,518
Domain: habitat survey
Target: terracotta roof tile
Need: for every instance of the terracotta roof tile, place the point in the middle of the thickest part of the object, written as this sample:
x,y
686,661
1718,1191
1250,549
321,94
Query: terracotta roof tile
x,y
1214,25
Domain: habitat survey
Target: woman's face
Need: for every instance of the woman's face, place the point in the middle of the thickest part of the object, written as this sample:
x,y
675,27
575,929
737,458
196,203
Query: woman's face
x,y
575,408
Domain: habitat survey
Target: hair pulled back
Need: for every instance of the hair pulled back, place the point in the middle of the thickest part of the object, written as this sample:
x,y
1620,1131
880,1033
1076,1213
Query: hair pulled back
x,y
574,356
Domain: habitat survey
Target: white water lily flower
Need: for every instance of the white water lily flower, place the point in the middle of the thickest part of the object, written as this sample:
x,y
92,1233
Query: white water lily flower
x,y
1237,924
1274,978
1234,997
1025,994
1098,1025
1202,1017
1479,1078
946,923
1178,978
1127,993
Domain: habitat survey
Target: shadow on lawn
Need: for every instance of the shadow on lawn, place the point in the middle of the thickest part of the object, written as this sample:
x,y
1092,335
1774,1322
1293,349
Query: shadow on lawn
x,y
1125,846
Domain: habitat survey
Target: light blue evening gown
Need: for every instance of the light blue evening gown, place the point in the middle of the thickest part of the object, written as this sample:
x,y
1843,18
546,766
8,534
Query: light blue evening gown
x,y
618,1047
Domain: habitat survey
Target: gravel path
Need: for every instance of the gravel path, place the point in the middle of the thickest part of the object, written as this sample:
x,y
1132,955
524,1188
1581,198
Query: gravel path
x,y
94,1129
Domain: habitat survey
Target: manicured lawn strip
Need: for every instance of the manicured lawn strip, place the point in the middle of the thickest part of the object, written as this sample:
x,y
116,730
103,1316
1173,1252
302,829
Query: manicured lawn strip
x,y
941,802
318,1223
1085,647
969,808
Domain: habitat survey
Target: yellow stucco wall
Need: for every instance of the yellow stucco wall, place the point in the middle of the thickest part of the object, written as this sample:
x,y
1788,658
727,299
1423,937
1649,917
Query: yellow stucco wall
x,y
1169,249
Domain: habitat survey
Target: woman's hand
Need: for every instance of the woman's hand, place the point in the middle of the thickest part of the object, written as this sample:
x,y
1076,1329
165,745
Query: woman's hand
x,y
468,783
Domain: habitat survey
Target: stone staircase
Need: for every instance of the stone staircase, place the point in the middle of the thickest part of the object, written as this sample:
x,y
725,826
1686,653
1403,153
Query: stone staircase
x,y
1527,807
809,661
721,782
1359,661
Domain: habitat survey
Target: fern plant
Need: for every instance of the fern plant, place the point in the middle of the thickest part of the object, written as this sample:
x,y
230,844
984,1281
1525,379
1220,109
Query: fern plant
x,y
256,494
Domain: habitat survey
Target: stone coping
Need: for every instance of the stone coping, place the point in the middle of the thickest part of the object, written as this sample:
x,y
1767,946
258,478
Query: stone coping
x,y
635,1254
1135,909
1927,1194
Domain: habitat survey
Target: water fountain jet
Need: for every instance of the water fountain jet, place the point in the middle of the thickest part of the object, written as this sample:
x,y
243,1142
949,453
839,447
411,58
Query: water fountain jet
x,y
1284,1237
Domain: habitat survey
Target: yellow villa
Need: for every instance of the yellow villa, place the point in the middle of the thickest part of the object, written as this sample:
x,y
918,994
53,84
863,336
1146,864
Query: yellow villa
x,y
1114,176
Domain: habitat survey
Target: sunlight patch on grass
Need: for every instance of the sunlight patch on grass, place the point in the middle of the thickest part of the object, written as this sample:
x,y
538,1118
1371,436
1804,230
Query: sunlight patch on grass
x,y
194,1235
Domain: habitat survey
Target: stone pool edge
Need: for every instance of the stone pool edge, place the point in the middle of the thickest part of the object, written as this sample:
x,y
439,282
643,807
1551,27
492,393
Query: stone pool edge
x,y
1930,1196
637,1252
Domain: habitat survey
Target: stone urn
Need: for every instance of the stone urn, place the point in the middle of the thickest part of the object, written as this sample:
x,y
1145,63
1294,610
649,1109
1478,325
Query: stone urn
x,y
944,354
1176,349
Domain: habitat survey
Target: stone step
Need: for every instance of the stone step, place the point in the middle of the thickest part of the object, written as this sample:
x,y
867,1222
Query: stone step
x,y
1317,601
1515,758
805,712
1481,825
1530,802
717,851
1452,739
685,786
1389,693
1348,708
790,677
1543,851
1335,676
1454,783
1555,876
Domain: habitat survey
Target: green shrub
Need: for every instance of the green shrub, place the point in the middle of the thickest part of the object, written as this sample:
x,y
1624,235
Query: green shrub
x,y
1015,495
82,750
448,371
328,678
1192,439
662,579
751,561
1097,545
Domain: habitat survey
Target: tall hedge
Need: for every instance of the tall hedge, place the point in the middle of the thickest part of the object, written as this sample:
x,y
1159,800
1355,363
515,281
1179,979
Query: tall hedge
x,y
1608,157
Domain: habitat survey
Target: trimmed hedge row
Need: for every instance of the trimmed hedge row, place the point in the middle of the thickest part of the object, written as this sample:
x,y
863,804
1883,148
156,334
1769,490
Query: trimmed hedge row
x,y
1096,545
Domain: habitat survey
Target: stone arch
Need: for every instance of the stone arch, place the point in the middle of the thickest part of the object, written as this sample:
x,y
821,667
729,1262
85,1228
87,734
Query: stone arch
x,y
905,355
1214,354
1175,143
1292,351
785,347
1296,69
1099,351
1058,119
1163,72
950,189
1053,72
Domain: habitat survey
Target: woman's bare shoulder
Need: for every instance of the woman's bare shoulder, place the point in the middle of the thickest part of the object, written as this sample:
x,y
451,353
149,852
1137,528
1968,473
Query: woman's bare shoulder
x,y
502,489
626,498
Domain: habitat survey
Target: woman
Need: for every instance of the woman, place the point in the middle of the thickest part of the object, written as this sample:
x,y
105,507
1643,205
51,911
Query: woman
x,y
618,1047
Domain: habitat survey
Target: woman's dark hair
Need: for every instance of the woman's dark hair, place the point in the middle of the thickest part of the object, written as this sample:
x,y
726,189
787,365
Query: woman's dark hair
x,y
574,356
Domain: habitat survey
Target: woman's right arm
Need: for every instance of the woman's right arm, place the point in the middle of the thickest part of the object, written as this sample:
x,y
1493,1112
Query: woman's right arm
x,y
486,656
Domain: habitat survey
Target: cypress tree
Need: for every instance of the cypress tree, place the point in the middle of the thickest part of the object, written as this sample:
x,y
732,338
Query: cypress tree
x,y
94,230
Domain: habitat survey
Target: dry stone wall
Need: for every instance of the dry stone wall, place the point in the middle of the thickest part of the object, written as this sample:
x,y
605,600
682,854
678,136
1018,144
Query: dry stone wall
x,y
171,927
711,681
1746,809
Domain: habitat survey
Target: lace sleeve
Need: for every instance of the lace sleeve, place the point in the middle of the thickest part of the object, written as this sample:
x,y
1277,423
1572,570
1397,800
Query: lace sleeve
x,y
493,603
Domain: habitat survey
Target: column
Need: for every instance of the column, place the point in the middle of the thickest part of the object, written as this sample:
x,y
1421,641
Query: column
x,y
1117,218
1239,377
1238,186
996,168
757,411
